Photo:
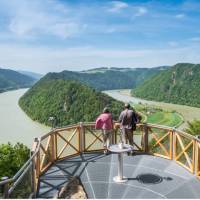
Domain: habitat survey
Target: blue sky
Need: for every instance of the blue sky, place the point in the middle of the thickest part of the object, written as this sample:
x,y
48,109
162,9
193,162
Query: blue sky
x,y
56,35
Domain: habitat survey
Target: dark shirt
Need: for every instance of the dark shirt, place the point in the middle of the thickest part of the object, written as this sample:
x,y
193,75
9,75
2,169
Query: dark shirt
x,y
127,119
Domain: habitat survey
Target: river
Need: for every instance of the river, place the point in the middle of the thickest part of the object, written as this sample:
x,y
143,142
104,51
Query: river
x,y
189,113
15,125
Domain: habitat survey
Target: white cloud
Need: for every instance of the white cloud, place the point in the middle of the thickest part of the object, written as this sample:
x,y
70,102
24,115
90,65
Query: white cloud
x,y
41,59
195,39
64,29
35,18
173,44
180,16
117,6
140,11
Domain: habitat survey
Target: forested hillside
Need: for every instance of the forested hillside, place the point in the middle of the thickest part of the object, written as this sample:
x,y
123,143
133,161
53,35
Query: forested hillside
x,y
10,79
69,101
179,84
108,78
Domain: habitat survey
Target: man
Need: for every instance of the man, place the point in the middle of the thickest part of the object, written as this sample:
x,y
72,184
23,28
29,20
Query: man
x,y
105,122
128,119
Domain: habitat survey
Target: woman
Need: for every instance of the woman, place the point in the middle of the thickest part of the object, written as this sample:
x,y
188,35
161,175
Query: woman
x,y
105,122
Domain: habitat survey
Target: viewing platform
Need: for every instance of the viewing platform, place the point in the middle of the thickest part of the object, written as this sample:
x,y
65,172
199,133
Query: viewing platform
x,y
148,177
166,164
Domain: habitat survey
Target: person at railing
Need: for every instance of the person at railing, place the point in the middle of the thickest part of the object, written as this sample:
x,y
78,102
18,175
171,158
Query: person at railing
x,y
105,122
128,119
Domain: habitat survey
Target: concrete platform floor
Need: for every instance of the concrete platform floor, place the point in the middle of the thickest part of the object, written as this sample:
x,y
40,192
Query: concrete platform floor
x,y
148,177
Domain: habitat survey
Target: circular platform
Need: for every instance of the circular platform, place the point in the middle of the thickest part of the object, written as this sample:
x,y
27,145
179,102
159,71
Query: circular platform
x,y
148,177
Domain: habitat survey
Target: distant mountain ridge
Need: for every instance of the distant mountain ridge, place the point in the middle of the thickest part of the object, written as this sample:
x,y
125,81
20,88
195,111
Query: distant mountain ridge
x,y
10,79
34,75
109,78
179,84
122,69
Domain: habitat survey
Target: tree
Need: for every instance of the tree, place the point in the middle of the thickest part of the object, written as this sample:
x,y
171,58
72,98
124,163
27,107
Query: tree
x,y
193,127
12,158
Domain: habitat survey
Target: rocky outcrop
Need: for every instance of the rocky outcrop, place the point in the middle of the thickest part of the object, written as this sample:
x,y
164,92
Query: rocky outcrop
x,y
72,190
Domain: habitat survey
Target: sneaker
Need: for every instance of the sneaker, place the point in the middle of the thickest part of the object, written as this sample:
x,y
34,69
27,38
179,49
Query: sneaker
x,y
105,152
133,153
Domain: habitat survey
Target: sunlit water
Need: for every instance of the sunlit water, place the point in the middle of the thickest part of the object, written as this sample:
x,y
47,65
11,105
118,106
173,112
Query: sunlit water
x,y
15,125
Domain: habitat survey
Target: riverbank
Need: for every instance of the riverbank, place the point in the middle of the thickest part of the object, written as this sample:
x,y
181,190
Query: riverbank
x,y
188,113
15,125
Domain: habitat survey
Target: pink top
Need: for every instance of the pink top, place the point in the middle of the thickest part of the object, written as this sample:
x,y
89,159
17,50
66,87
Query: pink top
x,y
104,121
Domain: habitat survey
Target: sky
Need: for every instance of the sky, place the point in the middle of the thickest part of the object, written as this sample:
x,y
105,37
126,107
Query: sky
x,y
57,35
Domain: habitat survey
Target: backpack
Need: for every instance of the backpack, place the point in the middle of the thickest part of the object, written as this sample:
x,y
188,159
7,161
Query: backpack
x,y
136,119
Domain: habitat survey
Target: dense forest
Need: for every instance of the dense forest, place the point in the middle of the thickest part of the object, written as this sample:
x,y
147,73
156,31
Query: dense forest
x,y
108,78
179,84
10,79
12,158
68,101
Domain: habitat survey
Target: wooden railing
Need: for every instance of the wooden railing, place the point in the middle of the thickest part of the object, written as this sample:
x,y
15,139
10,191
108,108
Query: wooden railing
x,y
61,143
160,141
197,158
184,150
93,139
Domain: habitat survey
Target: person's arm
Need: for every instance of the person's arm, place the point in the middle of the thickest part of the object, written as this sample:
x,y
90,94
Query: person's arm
x,y
111,119
134,117
98,123
139,117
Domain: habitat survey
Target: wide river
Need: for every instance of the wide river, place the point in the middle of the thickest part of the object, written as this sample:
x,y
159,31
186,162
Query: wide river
x,y
16,126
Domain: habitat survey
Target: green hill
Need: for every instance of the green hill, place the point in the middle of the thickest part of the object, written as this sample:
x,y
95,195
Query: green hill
x,y
109,78
68,100
179,84
10,79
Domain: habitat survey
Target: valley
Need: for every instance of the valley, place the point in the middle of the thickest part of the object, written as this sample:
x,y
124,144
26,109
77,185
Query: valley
x,y
72,97
189,113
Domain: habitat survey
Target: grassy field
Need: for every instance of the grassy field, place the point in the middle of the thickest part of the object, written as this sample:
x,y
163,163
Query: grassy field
x,y
165,118
156,115
189,113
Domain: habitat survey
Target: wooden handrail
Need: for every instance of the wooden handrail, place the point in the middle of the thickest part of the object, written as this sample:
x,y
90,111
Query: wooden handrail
x,y
52,144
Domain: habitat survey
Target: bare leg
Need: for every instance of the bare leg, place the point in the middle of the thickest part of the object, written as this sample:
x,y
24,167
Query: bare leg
x,y
129,134
109,134
104,138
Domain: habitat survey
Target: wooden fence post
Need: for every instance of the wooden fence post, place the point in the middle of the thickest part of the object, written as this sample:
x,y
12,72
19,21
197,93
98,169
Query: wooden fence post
x,y
34,165
173,144
53,150
81,138
5,188
33,182
114,134
145,138
197,156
